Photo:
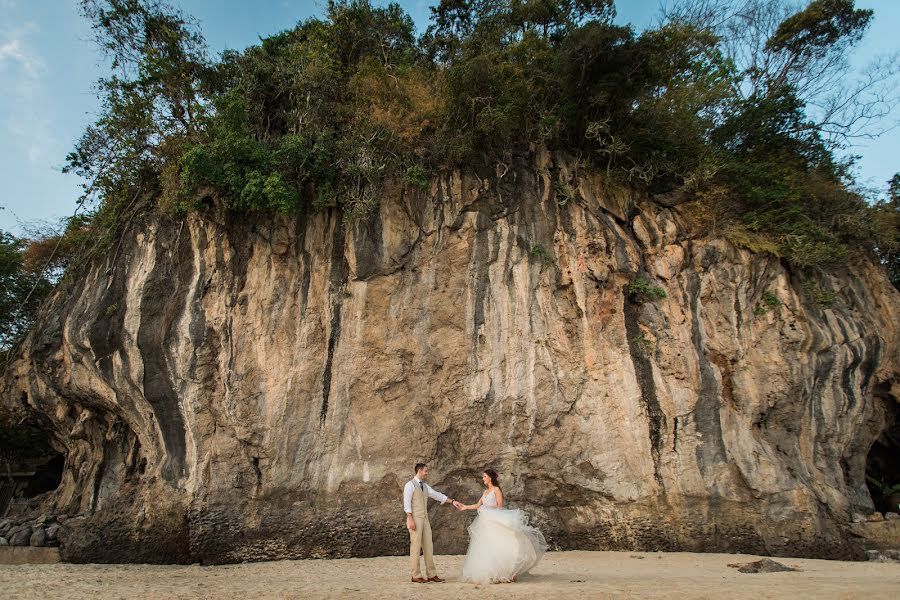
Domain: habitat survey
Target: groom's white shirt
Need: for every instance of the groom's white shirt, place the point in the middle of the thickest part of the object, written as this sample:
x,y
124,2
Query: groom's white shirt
x,y
411,486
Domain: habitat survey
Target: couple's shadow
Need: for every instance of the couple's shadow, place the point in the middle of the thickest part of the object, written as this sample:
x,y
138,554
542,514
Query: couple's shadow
x,y
530,578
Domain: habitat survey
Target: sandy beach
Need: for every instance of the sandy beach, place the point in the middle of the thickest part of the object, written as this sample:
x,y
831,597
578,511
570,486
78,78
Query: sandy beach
x,y
560,574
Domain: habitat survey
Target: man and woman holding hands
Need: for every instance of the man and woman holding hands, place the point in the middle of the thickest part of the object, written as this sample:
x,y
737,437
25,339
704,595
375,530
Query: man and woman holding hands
x,y
502,545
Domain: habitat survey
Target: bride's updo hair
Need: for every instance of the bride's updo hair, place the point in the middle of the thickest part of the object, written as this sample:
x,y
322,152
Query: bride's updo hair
x,y
495,479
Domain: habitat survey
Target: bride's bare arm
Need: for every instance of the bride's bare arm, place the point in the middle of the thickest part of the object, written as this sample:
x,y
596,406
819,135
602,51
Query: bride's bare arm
x,y
472,506
498,494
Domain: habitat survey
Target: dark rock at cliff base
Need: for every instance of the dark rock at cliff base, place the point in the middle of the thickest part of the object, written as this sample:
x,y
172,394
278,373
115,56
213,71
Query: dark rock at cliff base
x,y
883,556
38,537
22,537
160,536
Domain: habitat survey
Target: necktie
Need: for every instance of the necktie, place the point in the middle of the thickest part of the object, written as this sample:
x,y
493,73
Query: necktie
x,y
421,486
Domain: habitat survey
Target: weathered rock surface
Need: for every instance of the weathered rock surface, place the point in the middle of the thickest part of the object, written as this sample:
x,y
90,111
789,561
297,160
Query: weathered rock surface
x,y
230,389
884,535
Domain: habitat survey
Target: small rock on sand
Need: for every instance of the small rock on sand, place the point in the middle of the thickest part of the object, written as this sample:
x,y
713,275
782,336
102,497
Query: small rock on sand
x,y
766,565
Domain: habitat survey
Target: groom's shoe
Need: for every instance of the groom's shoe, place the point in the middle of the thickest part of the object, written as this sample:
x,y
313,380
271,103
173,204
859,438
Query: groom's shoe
x,y
436,579
419,580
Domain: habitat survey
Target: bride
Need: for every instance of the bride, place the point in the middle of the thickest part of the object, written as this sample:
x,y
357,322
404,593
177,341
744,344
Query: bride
x,y
502,545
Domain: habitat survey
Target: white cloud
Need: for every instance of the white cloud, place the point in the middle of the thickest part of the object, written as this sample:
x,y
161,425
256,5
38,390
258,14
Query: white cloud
x,y
21,72
14,51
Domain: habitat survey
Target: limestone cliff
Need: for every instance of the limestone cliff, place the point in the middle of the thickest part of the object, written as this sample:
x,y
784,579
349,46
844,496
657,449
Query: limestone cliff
x,y
232,388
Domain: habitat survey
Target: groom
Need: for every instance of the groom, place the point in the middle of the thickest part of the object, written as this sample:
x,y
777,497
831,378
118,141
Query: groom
x,y
415,503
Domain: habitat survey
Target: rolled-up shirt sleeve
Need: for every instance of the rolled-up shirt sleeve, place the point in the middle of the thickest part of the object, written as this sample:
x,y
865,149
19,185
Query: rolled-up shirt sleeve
x,y
407,497
434,494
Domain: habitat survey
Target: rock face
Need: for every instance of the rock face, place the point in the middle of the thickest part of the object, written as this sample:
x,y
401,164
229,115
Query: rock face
x,y
230,389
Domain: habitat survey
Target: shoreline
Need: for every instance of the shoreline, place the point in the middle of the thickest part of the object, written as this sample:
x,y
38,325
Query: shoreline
x,y
571,574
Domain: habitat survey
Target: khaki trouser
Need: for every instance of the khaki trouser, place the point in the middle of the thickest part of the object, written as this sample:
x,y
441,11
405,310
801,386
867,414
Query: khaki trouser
x,y
420,539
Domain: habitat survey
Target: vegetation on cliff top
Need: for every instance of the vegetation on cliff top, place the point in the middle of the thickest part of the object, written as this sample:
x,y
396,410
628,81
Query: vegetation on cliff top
x,y
742,102
744,97
741,97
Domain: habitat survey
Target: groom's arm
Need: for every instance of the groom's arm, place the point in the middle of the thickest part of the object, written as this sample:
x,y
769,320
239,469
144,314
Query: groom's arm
x,y
407,505
407,498
436,495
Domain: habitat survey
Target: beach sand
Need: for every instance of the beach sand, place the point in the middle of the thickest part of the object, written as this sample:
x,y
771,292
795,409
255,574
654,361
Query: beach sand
x,y
559,575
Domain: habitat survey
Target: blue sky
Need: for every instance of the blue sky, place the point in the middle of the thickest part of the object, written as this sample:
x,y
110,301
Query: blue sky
x,y
48,66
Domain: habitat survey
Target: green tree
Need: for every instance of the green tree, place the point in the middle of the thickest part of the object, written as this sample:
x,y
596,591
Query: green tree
x,y
775,45
320,112
884,225
153,101
21,292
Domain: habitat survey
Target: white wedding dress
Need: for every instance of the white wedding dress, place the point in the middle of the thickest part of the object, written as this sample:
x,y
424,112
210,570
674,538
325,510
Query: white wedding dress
x,y
502,545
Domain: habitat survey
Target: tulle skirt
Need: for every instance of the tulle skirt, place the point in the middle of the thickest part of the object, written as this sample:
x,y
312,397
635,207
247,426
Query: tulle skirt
x,y
502,546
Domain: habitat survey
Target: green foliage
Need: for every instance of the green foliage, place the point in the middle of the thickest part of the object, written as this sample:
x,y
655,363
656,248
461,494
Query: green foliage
x,y
541,253
881,226
883,488
243,171
642,343
769,302
823,298
642,288
21,291
318,112
818,27
416,177
564,193
151,104
754,241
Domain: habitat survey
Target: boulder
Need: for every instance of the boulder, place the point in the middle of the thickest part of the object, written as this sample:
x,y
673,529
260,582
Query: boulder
x,y
22,537
38,537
